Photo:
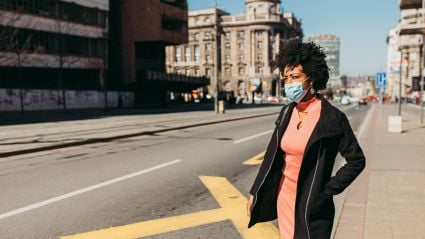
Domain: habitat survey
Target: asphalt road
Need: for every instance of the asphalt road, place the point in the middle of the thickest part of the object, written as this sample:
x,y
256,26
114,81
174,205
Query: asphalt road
x,y
74,190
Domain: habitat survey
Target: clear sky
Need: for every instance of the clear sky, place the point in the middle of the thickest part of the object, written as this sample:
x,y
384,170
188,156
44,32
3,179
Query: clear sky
x,y
362,25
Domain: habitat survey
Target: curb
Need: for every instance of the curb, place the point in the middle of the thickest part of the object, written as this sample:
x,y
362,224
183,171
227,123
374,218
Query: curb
x,y
112,138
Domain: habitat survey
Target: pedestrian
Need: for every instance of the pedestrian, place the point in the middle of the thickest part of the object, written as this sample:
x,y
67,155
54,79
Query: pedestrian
x,y
294,183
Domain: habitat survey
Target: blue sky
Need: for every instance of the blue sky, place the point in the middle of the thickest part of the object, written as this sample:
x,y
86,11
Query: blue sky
x,y
362,25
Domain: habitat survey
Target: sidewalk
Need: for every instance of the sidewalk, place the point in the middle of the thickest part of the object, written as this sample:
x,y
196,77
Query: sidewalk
x,y
387,200
27,138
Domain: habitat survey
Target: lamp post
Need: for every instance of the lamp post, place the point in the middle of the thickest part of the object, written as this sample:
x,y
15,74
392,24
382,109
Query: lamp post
x,y
216,61
421,68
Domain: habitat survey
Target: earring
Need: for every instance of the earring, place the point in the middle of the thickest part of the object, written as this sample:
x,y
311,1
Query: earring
x,y
312,91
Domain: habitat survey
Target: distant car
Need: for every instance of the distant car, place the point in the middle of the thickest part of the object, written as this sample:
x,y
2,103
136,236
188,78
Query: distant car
x,y
370,98
345,101
362,101
354,99
273,99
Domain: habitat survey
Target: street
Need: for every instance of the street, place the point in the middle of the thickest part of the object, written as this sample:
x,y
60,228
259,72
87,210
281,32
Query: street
x,y
67,191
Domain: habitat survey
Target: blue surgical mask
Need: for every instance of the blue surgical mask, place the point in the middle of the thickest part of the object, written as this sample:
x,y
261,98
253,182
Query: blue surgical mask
x,y
295,92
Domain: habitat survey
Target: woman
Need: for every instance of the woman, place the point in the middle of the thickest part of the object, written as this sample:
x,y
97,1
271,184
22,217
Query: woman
x,y
294,183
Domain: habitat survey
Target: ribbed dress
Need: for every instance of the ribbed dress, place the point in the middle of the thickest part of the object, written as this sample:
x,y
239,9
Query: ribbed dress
x,y
294,142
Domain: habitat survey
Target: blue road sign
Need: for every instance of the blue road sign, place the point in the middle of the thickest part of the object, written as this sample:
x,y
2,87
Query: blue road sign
x,y
381,80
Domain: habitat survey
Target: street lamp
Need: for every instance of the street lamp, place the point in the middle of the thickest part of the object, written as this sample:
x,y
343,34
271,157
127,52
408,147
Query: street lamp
x,y
421,67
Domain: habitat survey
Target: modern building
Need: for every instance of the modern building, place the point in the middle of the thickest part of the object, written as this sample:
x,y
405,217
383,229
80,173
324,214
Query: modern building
x,y
53,44
239,48
139,33
331,47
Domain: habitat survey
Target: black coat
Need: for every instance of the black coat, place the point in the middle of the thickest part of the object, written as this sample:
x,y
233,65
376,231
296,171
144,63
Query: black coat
x,y
314,206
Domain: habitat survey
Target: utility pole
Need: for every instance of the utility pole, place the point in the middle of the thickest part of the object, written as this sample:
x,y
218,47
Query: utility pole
x,y
421,97
399,85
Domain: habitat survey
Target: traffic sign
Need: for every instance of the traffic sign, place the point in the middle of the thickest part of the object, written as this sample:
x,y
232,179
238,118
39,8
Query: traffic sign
x,y
381,80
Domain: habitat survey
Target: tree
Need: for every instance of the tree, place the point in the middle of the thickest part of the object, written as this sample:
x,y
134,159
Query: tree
x,y
13,46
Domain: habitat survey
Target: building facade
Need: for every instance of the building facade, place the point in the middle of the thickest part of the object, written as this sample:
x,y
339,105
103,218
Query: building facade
x,y
140,30
53,44
246,45
405,59
331,47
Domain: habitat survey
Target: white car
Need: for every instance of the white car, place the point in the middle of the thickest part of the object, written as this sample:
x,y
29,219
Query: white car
x,y
345,101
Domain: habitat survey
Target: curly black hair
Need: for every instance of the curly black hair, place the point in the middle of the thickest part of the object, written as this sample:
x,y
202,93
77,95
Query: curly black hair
x,y
307,54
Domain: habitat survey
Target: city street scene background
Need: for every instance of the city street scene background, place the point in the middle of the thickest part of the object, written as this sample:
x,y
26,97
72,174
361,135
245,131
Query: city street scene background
x,y
150,118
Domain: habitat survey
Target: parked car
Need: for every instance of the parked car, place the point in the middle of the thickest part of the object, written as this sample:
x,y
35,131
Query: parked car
x,y
363,101
345,100
370,98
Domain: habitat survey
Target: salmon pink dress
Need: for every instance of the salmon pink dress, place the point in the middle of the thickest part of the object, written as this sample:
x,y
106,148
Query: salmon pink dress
x,y
294,142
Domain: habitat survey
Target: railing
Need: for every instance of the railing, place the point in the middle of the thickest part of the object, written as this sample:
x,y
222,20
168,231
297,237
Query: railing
x,y
254,17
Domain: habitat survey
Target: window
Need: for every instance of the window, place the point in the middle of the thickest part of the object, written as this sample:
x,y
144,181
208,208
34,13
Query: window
x,y
241,71
178,54
196,71
208,46
227,58
241,45
227,45
241,57
187,54
227,71
197,53
259,70
187,72
207,35
196,36
227,35
208,72
260,57
241,34
260,44
259,33
208,58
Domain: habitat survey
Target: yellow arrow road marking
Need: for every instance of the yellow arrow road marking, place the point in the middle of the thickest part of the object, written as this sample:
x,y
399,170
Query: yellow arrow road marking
x,y
257,159
233,207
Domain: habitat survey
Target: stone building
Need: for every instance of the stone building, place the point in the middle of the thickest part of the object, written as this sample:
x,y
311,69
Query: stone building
x,y
405,50
247,43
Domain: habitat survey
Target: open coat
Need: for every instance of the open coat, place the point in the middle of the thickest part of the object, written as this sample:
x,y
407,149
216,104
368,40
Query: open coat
x,y
314,206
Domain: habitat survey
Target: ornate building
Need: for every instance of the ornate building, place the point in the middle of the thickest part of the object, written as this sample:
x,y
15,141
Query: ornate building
x,y
247,43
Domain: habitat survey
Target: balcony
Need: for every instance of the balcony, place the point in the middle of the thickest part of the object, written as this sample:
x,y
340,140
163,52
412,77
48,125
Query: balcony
x,y
408,4
412,22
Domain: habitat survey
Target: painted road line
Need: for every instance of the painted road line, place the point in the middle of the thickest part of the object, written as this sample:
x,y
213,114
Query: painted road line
x,y
84,190
153,227
252,137
228,197
233,208
256,160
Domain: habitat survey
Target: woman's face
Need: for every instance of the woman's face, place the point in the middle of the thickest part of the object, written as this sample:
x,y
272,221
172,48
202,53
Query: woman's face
x,y
296,73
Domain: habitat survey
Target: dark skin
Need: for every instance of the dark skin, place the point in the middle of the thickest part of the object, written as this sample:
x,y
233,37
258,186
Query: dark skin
x,y
296,73
291,74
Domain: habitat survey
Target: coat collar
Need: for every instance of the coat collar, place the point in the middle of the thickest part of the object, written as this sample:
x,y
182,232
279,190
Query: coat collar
x,y
328,124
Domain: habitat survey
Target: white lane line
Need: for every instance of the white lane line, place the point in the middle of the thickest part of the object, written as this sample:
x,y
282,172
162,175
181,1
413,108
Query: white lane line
x,y
84,190
252,137
366,122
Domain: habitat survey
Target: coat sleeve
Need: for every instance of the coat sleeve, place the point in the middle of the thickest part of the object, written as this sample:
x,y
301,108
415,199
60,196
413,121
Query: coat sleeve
x,y
355,161
268,157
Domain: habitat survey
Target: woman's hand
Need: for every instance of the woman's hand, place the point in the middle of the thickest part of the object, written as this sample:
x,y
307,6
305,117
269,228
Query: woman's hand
x,y
249,205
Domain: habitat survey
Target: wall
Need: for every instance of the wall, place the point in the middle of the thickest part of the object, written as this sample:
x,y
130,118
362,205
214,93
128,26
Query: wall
x,y
52,99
